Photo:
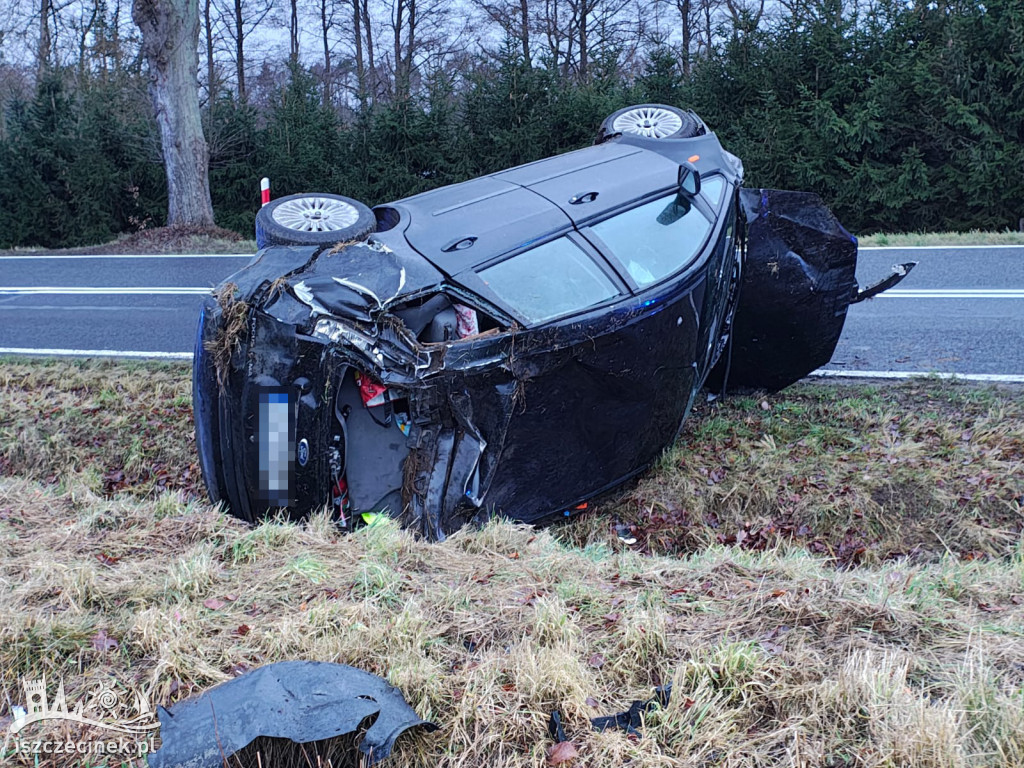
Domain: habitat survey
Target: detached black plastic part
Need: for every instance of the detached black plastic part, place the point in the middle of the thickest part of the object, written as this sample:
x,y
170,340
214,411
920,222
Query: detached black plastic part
x,y
303,701
629,721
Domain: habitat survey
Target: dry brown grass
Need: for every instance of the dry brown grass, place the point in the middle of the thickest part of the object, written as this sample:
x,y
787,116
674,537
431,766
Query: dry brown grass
x,y
778,656
856,474
115,427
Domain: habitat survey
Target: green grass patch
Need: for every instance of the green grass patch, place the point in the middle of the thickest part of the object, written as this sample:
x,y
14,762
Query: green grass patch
x,y
974,237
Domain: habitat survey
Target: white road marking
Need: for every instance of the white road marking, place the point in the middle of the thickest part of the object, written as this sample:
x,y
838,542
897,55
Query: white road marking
x,y
137,256
80,290
934,247
22,308
1006,378
94,353
953,293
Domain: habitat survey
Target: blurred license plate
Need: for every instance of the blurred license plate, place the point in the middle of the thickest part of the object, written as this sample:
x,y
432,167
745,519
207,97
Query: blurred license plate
x,y
276,446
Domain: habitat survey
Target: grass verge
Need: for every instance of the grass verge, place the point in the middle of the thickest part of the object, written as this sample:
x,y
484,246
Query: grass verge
x,y
158,240
974,237
906,648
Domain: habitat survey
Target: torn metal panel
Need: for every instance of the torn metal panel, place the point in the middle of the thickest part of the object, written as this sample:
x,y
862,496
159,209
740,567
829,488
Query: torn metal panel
x,y
298,700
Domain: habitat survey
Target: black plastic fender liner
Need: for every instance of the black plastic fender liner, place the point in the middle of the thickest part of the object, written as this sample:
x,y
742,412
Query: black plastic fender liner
x,y
302,701
798,281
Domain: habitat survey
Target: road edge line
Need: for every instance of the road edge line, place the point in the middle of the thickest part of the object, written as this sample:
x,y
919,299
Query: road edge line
x,y
30,351
1001,378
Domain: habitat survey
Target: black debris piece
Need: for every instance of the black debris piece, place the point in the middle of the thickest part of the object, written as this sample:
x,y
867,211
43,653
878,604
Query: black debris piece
x,y
303,701
555,729
630,720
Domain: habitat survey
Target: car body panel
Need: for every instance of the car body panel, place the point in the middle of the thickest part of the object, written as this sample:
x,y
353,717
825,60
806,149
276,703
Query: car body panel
x,y
485,218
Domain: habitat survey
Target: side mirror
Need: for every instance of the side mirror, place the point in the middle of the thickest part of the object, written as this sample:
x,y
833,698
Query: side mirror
x,y
689,179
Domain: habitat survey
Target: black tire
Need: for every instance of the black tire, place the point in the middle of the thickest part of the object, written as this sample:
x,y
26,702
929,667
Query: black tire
x,y
654,121
305,219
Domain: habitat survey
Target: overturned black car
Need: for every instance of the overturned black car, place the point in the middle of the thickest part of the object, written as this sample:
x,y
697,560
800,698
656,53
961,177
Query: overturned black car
x,y
515,344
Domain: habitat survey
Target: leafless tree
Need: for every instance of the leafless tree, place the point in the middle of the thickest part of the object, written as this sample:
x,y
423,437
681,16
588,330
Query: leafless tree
x,y
326,10
170,42
211,65
293,31
514,19
45,38
420,31
242,17
746,14
576,31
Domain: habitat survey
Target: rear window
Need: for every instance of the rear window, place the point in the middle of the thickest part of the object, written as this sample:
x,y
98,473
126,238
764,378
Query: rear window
x,y
656,239
549,281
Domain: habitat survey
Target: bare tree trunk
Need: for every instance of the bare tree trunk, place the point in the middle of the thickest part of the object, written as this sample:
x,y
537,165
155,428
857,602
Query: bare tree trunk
x,y
239,50
552,31
293,33
324,27
211,71
524,15
115,40
707,27
396,22
83,40
170,42
584,50
409,51
684,7
371,63
43,54
360,67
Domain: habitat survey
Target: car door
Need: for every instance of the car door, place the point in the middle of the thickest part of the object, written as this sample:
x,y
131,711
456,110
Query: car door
x,y
602,389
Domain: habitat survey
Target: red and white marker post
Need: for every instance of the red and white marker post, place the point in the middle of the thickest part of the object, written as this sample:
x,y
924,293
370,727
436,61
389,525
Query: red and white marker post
x,y
264,191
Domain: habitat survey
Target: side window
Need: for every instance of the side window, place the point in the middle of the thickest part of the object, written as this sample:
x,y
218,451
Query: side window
x,y
656,239
711,189
549,281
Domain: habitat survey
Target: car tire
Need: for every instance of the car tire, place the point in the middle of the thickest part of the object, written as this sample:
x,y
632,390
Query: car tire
x,y
313,219
652,121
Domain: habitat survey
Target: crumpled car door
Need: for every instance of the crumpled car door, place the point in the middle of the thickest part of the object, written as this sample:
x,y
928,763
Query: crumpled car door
x,y
799,279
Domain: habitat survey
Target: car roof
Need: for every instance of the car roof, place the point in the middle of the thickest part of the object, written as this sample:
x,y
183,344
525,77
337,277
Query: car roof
x,y
463,226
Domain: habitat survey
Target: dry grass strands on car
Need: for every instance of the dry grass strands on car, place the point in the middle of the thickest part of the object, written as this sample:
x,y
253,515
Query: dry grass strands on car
x,y
229,332
339,247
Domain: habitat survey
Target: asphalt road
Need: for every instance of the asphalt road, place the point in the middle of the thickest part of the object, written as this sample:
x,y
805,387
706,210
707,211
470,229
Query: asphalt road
x,y
960,311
